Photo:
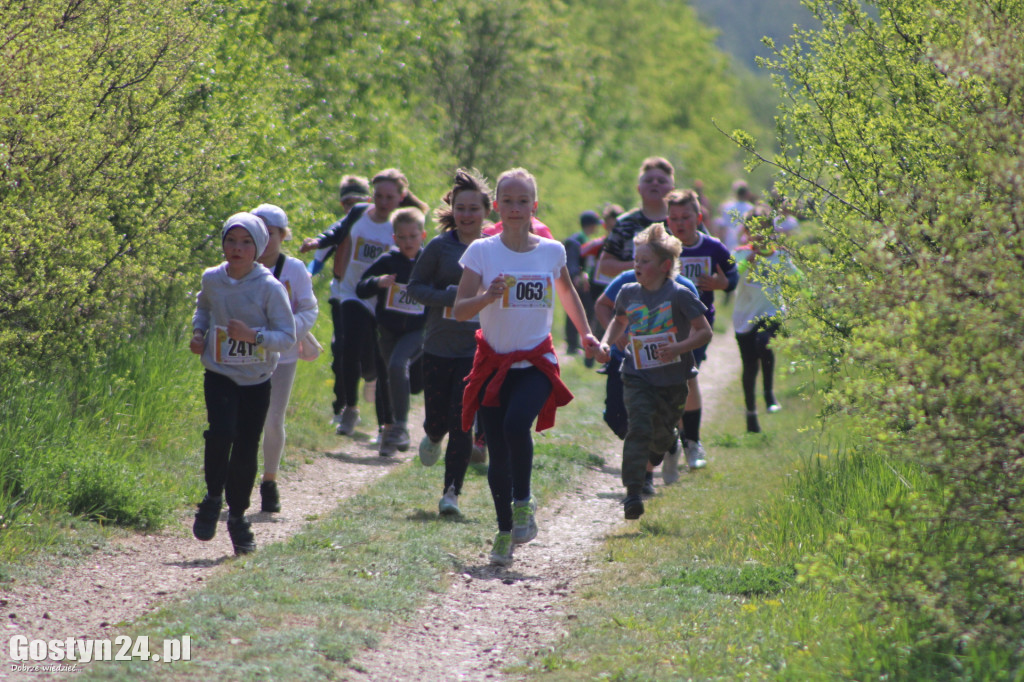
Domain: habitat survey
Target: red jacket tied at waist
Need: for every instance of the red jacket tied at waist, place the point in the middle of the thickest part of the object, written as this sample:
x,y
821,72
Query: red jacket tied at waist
x,y
487,362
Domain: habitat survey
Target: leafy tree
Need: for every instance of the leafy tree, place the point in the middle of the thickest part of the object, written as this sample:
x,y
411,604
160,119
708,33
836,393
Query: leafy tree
x,y
129,130
902,127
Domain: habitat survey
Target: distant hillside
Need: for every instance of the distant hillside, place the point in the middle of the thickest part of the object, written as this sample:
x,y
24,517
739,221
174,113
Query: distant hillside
x,y
742,23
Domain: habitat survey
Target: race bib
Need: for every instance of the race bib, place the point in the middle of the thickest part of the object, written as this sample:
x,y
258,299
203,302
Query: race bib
x,y
528,290
693,267
228,351
645,349
401,301
449,314
367,250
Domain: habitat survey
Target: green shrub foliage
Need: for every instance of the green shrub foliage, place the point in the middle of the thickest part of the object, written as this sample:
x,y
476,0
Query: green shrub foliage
x,y
119,128
902,129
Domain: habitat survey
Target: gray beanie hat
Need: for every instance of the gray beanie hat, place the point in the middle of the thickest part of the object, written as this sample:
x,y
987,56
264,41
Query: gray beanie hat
x,y
253,225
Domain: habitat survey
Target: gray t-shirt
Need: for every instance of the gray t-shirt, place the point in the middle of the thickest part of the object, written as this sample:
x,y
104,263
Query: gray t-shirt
x,y
657,317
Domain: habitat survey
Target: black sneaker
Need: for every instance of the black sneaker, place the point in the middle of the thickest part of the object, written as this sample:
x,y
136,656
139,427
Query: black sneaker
x,y
270,501
648,489
241,535
207,515
633,506
752,424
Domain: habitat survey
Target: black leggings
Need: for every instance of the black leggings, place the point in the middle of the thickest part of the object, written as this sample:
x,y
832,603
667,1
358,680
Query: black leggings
x,y
756,354
509,440
235,415
444,382
359,335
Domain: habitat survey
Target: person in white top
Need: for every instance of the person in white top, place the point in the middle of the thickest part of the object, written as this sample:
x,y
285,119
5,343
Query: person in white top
x,y
363,235
510,280
291,272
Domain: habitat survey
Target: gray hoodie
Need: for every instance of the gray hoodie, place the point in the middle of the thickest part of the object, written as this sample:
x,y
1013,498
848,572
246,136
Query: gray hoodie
x,y
260,301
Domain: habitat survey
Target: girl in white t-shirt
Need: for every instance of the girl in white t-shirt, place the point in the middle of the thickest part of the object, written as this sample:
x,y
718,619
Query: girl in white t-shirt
x,y
361,237
510,280
291,272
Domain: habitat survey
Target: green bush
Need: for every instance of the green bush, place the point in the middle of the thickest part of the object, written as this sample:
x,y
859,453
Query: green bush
x,y
902,131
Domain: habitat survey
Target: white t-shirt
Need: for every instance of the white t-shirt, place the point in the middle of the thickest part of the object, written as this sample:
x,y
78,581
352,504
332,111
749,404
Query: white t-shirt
x,y
522,319
299,286
370,240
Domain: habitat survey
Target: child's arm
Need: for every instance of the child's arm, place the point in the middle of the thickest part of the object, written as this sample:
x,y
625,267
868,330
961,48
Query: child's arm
x,y
421,281
612,333
469,301
574,309
700,334
306,307
279,334
610,266
342,255
378,276
200,324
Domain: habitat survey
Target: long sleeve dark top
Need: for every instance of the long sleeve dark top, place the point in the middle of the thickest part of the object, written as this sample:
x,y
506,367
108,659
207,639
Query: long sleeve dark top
x,y
391,263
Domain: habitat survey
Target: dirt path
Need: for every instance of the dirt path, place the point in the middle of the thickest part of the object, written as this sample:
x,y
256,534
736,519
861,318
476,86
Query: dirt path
x,y
492,618
488,619
134,575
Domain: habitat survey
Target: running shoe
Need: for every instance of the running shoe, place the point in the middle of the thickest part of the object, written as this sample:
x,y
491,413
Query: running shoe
x,y
670,467
524,526
479,454
430,451
449,504
386,445
753,426
696,458
633,507
648,489
349,420
773,407
501,552
241,535
270,499
207,514
400,437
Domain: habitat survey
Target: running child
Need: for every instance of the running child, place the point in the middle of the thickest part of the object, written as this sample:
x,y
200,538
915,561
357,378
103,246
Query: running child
x,y
665,321
400,320
756,313
448,345
655,181
291,272
510,280
243,319
362,236
615,414
707,262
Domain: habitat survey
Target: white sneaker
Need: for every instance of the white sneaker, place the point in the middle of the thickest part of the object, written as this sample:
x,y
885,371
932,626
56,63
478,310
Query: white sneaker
x,y
696,458
449,503
430,451
773,408
670,467
347,423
